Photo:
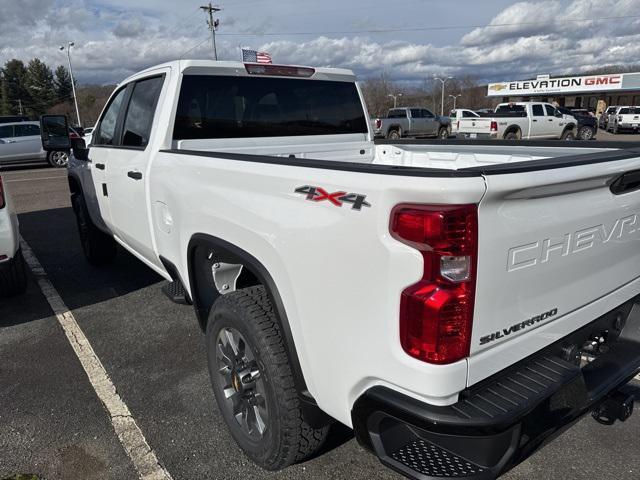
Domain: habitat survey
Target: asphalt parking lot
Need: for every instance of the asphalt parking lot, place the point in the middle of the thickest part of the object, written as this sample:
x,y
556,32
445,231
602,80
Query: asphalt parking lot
x,y
53,425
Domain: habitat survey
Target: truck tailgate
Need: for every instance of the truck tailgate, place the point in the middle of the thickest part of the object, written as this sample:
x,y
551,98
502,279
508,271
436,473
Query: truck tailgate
x,y
474,125
551,242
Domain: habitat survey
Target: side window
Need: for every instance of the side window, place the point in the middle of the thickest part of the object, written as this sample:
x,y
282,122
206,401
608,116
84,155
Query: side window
x,y
6,131
538,111
469,115
107,129
27,130
142,106
550,110
427,114
415,113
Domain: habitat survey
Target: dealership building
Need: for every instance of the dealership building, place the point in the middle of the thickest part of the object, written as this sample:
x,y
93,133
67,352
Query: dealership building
x,y
594,92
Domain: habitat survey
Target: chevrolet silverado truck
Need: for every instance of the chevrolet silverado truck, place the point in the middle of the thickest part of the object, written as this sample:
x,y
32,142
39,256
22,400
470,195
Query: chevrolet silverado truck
x,y
624,119
412,122
453,302
520,120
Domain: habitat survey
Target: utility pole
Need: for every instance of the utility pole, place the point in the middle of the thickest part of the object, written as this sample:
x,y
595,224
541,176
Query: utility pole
x,y
73,84
213,25
443,81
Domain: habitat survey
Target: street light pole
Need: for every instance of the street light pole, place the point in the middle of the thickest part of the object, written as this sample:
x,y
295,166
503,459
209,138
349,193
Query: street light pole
x,y
455,98
395,98
73,84
443,81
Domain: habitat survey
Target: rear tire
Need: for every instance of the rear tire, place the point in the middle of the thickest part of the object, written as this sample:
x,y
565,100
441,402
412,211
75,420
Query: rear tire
x,y
99,248
58,159
252,378
394,135
13,280
586,133
512,136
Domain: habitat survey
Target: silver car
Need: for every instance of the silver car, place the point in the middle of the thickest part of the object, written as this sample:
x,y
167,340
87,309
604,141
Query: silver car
x,y
20,143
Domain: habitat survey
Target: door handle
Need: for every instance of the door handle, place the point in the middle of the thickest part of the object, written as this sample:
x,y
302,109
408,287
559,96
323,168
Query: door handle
x,y
100,166
135,175
534,120
551,119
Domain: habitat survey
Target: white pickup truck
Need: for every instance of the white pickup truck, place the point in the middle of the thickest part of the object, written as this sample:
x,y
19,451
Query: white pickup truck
x,y
520,120
624,119
454,303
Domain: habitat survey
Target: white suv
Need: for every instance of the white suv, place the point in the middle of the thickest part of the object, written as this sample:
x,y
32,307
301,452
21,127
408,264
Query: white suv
x,y
13,271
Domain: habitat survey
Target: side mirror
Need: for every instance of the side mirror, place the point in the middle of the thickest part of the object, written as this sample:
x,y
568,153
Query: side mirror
x,y
54,131
559,114
80,150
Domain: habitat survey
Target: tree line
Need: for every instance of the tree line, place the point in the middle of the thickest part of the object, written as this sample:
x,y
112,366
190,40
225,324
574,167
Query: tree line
x,y
32,89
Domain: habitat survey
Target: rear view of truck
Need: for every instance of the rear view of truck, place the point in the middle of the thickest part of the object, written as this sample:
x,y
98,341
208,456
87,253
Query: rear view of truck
x,y
537,288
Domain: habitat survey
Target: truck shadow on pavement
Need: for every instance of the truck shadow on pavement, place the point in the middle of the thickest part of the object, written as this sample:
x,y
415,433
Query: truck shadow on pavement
x,y
53,236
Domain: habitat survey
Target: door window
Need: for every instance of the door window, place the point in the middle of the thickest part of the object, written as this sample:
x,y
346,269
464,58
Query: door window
x,y
551,111
415,113
427,114
107,129
27,130
6,131
142,106
537,110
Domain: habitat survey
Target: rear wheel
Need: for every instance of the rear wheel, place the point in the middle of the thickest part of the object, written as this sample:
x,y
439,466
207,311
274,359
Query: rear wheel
x,y
58,158
586,133
99,248
253,381
512,136
13,276
394,135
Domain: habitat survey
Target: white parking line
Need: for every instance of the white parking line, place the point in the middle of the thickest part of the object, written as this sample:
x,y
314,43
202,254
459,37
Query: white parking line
x,y
131,437
34,179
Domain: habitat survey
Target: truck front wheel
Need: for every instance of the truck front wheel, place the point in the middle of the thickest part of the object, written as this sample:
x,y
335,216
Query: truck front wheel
x,y
99,248
13,276
253,381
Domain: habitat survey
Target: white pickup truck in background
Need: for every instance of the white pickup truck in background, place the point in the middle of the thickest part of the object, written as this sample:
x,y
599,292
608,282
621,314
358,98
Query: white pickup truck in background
x,y
520,120
439,298
624,119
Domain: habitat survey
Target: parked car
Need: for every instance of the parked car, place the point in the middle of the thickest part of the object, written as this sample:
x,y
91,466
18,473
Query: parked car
x,y
587,126
412,122
438,298
520,120
624,119
459,113
20,144
603,122
13,271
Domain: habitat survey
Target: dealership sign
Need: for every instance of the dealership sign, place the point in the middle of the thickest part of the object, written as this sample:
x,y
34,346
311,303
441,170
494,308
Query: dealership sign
x,y
544,84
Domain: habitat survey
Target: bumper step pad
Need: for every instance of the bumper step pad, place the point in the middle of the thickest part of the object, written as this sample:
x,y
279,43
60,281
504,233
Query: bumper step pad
x,y
433,461
176,292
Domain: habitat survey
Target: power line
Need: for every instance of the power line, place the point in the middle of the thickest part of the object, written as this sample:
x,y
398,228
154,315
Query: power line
x,y
422,29
194,47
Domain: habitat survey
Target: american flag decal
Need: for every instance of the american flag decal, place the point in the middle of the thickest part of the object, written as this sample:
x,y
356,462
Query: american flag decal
x,y
253,56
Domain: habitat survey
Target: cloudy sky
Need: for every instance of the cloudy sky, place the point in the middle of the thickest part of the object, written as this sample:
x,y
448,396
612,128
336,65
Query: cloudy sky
x,y
409,40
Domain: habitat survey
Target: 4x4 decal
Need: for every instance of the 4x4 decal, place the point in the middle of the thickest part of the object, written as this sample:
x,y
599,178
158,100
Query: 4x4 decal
x,y
318,194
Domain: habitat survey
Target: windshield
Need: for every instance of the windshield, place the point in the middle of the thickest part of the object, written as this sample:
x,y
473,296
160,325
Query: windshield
x,y
243,107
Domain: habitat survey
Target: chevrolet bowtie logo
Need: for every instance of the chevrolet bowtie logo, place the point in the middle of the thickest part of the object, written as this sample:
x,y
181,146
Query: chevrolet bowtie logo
x,y
498,86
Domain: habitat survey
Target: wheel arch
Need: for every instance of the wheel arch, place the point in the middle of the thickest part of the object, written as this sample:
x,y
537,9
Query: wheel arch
x,y
512,129
204,249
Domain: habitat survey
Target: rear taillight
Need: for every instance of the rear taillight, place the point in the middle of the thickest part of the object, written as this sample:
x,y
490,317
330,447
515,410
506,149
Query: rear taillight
x,y
2,202
494,126
378,124
436,314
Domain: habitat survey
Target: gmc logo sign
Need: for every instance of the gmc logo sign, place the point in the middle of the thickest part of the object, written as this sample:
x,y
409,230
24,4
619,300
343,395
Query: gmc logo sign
x,y
610,80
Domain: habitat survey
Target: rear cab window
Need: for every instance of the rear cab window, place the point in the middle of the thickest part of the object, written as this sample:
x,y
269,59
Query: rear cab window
x,y
213,107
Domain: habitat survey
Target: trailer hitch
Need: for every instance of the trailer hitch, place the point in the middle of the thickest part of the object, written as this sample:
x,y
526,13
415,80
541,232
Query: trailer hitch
x,y
618,406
